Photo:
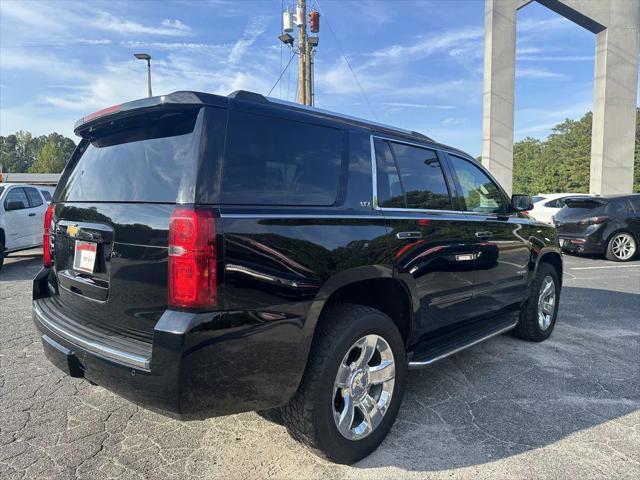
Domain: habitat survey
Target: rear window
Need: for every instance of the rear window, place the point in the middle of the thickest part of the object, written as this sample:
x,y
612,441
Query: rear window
x,y
576,207
149,158
272,161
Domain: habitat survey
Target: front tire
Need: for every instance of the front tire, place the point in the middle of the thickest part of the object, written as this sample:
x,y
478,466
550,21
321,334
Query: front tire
x,y
538,315
353,385
622,247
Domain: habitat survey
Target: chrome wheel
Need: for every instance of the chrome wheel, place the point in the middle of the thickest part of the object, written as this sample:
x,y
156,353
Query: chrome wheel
x,y
623,246
546,302
363,387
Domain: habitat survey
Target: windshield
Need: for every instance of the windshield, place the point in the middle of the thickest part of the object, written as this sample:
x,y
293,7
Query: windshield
x,y
147,160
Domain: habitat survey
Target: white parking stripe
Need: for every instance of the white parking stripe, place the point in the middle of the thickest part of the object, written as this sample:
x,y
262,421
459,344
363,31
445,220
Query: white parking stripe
x,y
604,266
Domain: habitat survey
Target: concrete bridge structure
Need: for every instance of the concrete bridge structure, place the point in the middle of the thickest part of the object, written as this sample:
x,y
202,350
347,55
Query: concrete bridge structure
x,y
616,25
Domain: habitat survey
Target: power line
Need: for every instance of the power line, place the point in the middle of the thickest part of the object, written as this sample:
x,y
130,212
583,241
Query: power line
x,y
281,73
344,56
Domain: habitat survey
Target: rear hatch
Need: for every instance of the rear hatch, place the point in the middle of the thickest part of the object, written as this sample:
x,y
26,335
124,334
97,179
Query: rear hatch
x,y
568,219
112,211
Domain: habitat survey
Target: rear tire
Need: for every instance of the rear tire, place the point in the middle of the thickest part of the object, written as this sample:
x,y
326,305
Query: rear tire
x,y
1,255
622,247
538,315
344,383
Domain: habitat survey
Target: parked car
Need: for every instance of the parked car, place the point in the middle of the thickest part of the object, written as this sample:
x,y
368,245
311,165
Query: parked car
x,y
545,206
22,211
210,255
607,225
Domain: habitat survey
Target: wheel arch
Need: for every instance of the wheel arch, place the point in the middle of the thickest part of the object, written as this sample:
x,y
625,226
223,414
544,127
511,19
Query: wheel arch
x,y
554,259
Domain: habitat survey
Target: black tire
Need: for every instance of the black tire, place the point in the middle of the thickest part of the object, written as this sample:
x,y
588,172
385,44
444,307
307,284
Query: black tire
x,y
528,327
273,415
309,415
609,253
1,255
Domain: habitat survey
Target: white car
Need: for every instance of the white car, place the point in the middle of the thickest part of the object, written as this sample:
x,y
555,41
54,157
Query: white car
x,y
22,209
546,205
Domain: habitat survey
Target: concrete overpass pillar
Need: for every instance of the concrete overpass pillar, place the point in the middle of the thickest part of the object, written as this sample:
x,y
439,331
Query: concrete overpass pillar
x,y
614,101
616,24
499,84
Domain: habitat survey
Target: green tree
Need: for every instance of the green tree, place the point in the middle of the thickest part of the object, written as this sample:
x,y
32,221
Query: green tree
x,y
53,155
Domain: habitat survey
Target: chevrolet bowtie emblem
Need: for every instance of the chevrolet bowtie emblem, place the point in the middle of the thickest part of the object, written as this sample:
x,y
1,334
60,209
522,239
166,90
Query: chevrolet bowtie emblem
x,y
72,230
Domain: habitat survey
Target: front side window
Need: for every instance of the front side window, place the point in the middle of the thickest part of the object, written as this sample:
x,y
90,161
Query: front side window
x,y
410,177
35,200
272,161
16,200
480,193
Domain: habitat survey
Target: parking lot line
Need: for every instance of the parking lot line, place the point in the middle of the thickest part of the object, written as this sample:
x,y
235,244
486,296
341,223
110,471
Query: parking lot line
x,y
604,266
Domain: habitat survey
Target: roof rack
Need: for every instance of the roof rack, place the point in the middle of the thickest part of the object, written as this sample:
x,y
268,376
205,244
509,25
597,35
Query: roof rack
x,y
256,97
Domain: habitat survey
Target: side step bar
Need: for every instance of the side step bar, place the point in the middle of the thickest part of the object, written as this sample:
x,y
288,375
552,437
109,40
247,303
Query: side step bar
x,y
436,348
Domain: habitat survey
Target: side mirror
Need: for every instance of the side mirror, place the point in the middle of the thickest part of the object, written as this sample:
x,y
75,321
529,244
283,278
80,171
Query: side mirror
x,y
14,206
521,203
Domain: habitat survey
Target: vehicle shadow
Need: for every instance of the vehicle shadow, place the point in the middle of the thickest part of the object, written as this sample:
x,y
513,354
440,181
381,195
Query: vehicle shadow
x,y
508,396
21,266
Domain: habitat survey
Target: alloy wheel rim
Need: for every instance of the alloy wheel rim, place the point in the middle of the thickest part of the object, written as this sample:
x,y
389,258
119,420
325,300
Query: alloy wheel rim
x,y
546,302
623,246
363,387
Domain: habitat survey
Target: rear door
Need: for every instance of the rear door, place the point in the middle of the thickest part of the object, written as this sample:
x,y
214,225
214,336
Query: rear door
x,y
501,241
35,217
16,210
431,243
112,214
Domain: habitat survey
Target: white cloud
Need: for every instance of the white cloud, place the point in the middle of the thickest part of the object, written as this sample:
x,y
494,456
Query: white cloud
x,y
254,29
108,21
538,73
419,105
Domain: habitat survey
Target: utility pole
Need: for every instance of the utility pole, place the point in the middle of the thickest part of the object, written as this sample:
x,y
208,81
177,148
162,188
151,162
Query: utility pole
x,y
306,46
303,56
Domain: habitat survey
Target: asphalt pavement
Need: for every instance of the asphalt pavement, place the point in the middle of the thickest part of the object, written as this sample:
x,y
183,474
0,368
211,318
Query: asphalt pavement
x,y
566,408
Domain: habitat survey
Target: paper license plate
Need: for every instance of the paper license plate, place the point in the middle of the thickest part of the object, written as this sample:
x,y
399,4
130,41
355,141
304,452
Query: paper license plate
x,y
85,256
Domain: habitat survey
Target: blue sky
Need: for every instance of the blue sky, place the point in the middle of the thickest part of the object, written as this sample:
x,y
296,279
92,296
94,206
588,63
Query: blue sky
x,y
419,62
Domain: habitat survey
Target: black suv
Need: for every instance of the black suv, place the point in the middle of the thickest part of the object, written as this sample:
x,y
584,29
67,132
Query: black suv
x,y
208,255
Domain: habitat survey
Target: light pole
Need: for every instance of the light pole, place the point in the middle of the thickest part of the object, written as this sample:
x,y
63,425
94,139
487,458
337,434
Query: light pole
x,y
147,57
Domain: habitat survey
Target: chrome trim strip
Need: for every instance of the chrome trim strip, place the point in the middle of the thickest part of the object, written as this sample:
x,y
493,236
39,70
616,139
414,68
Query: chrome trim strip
x,y
459,349
126,358
301,215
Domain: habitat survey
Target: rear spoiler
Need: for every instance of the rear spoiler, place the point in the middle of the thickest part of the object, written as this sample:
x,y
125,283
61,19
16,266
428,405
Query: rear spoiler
x,y
572,201
88,123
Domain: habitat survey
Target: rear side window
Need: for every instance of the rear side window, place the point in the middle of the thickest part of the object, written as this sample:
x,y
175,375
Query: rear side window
x,y
46,195
273,161
480,193
35,200
420,183
16,199
148,158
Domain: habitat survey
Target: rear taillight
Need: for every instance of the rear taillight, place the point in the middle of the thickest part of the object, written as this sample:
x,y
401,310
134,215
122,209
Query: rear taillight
x,y
593,220
192,259
46,237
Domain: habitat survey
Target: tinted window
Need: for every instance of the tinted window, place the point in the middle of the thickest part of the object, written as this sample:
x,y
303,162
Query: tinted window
x,y
16,195
420,183
479,191
147,160
536,199
46,195
554,204
35,200
390,194
272,161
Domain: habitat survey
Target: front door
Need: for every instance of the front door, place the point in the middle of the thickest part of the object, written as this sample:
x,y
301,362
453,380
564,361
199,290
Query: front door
x,y
35,217
432,247
16,210
501,240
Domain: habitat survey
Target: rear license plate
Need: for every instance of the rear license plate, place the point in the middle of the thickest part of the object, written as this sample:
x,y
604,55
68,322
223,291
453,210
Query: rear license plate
x,y
84,258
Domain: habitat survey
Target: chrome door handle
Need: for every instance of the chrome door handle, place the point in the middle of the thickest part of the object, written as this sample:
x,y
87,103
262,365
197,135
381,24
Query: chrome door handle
x,y
408,235
484,234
